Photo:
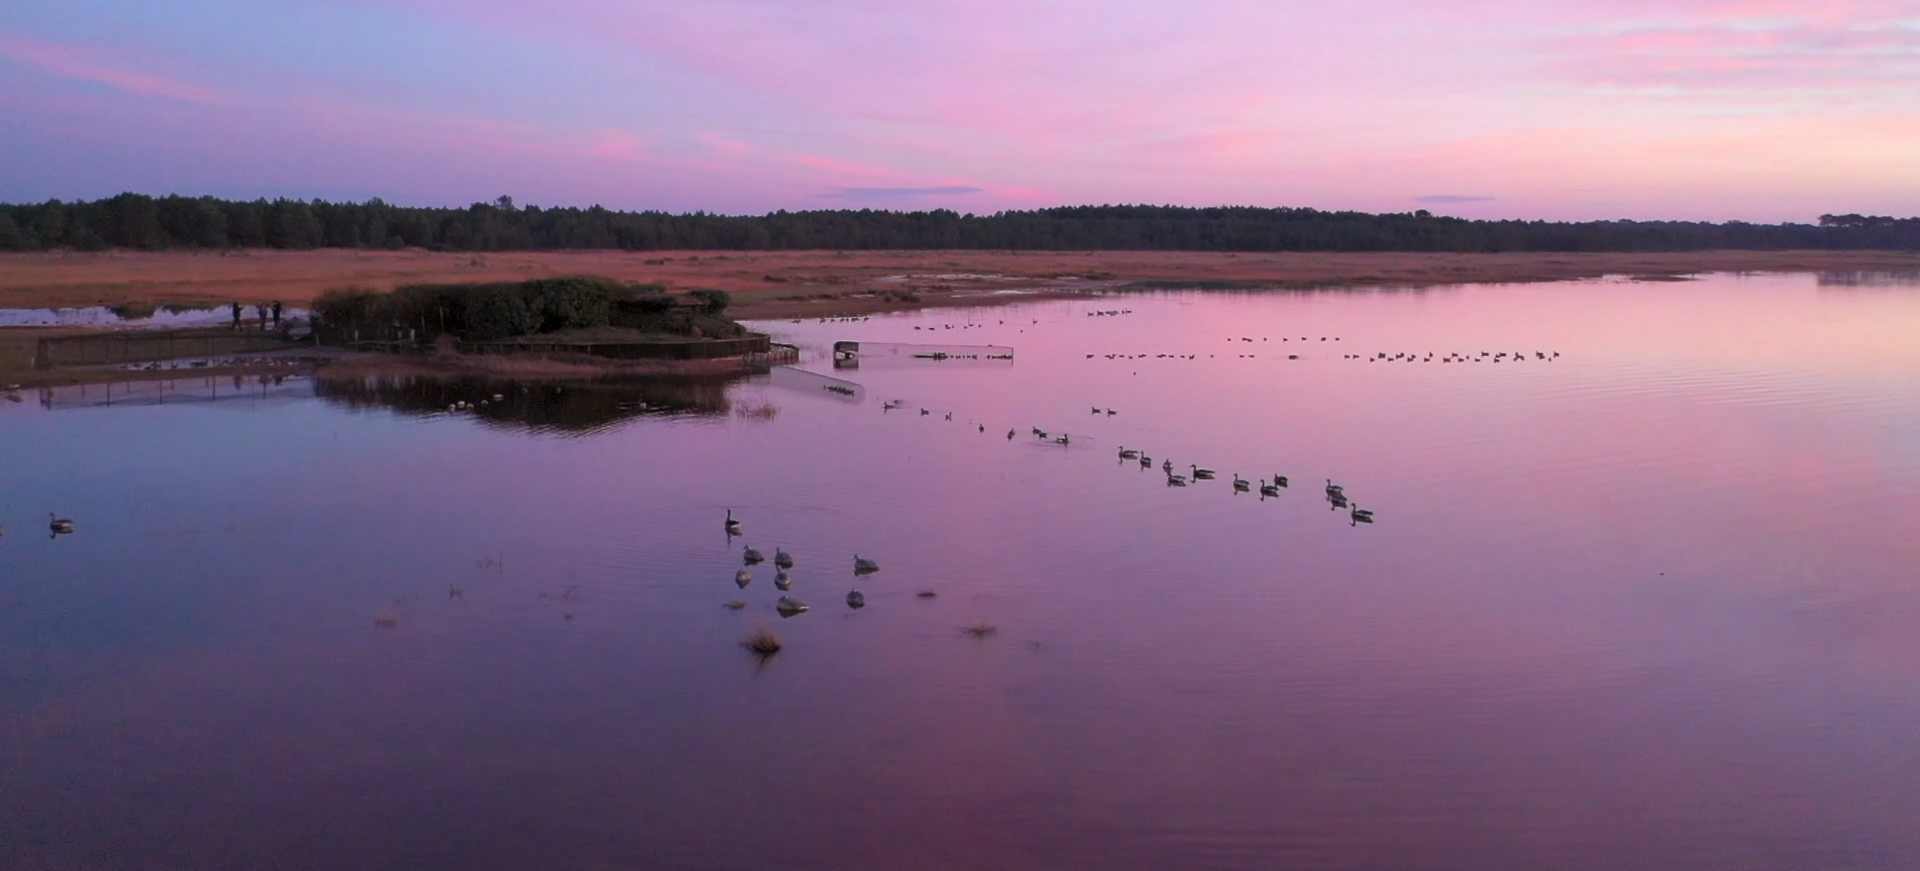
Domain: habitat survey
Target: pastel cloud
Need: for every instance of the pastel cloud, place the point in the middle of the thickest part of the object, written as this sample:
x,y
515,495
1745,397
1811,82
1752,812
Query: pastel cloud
x,y
1533,108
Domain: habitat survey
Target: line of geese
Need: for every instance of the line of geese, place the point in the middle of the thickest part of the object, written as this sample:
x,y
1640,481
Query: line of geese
x,y
783,578
1455,357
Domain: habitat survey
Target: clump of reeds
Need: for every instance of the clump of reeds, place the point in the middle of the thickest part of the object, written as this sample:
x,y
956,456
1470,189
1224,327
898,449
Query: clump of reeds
x,y
762,642
980,630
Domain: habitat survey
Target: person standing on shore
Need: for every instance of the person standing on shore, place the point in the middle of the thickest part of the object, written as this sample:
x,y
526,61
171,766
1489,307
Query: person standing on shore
x,y
276,314
261,310
236,316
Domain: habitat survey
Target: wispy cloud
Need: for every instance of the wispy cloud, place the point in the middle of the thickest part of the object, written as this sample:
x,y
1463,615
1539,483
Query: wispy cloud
x,y
1449,199
902,193
72,62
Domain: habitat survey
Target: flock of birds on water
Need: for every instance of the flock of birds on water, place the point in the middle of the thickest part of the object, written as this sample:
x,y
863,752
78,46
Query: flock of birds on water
x,y
788,606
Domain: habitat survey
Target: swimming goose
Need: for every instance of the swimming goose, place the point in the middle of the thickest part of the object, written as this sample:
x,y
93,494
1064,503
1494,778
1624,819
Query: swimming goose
x,y
856,600
1361,515
1009,435
781,558
1146,462
862,565
1269,490
743,578
1176,480
781,579
753,556
1333,488
1240,485
1200,474
733,526
1062,439
1279,480
59,525
789,606
1166,466
1127,454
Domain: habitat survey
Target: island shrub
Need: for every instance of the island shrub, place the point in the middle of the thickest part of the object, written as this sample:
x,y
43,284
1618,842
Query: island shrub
x,y
497,311
571,303
715,301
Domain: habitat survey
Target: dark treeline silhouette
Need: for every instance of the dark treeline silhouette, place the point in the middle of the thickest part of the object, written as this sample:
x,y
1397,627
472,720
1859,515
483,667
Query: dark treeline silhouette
x,y
137,221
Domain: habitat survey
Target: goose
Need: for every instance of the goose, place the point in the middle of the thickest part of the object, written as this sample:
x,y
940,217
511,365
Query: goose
x,y
1041,433
1200,474
924,412
1127,454
1361,515
733,526
1333,488
781,558
1062,439
789,606
1009,435
753,556
1146,462
743,578
1111,412
59,525
1279,480
1166,466
856,599
1240,485
1096,411
782,580
1176,480
862,565
1269,490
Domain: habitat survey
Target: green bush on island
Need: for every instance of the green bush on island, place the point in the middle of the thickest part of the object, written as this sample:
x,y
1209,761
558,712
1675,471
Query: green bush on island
x,y
497,311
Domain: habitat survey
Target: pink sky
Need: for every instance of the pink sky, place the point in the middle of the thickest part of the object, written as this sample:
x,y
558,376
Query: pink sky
x,y
1703,109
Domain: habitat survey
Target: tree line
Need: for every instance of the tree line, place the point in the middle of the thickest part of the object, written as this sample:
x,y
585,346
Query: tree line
x,y
138,221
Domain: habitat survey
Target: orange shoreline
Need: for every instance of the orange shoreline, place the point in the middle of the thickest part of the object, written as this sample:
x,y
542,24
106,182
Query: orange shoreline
x,y
780,284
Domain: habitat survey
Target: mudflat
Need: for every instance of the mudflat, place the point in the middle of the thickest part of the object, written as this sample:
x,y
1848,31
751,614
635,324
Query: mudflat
x,y
769,284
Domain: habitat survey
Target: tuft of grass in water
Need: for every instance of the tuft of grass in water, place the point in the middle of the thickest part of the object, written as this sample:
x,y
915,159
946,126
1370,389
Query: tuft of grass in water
x,y
927,594
386,621
762,642
981,630
734,605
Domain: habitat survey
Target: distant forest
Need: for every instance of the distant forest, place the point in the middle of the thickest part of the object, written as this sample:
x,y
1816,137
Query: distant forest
x,y
142,222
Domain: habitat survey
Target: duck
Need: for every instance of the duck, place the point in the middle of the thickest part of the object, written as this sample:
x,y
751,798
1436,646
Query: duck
x,y
753,556
1240,485
1200,474
1127,454
856,599
59,525
733,526
1009,435
781,579
743,578
781,558
862,565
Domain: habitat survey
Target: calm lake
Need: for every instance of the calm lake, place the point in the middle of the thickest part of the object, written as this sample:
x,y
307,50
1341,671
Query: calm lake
x,y
1651,603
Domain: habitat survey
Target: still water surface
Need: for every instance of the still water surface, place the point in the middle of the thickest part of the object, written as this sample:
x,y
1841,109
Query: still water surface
x,y
1651,604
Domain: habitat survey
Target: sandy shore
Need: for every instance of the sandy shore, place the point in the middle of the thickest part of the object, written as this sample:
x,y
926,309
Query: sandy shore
x,y
775,284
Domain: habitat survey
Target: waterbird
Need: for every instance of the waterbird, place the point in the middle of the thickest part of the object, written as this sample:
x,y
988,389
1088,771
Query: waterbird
x,y
781,558
733,526
59,525
1166,466
1009,435
1200,474
1334,488
1176,480
1279,480
1146,462
1062,439
743,578
782,580
862,565
788,606
1127,454
1269,490
1360,515
752,556
1240,485
856,600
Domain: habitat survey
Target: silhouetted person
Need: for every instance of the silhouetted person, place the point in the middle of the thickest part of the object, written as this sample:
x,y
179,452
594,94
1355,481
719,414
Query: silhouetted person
x,y
261,310
236,316
276,314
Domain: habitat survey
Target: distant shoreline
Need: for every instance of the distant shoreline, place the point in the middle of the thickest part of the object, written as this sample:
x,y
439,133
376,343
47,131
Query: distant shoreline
x,y
786,284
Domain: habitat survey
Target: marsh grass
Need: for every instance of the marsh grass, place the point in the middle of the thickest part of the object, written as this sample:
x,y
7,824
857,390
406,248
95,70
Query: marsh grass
x,y
762,642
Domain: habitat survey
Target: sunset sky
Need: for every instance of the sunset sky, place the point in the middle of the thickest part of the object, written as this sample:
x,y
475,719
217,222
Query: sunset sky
x,y
1698,109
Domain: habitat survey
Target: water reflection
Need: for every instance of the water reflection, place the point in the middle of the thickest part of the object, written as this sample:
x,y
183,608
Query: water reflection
x,y
561,407
1870,279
